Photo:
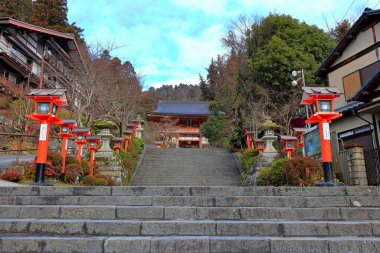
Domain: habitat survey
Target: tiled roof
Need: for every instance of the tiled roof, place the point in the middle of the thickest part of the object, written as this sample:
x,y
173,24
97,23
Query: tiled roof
x,y
365,20
80,130
93,138
182,108
349,107
69,121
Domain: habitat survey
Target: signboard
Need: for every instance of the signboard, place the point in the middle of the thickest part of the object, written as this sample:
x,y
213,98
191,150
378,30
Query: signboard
x,y
43,132
312,143
326,131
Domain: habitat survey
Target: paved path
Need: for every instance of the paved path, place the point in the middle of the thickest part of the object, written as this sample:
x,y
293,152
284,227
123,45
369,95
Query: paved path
x,y
7,183
6,160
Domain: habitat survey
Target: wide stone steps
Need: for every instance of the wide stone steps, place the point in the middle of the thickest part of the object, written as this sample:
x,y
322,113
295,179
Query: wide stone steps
x,y
193,244
289,228
199,167
189,219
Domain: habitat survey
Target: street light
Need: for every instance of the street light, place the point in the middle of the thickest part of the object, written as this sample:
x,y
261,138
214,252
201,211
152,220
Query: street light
x,y
296,73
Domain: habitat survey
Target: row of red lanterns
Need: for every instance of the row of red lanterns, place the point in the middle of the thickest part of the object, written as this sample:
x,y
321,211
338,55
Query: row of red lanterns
x,y
47,104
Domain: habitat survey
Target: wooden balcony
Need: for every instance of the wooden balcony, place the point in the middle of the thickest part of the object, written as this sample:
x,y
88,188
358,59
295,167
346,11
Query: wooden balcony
x,y
16,90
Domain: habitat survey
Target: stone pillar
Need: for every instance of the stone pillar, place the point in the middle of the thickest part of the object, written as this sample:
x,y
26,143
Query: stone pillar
x,y
357,173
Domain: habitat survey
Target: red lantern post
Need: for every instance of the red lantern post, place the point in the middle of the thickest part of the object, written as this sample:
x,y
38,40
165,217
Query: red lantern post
x,y
288,142
137,123
260,145
298,133
65,133
81,134
117,143
92,142
321,104
249,140
132,127
47,103
127,138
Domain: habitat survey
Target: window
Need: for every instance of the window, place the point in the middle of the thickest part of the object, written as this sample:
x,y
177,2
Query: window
x,y
351,84
289,144
64,129
189,122
43,107
314,108
325,106
55,108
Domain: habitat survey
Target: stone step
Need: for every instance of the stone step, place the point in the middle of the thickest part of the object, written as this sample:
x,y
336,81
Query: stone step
x,y
64,227
97,212
192,191
218,201
193,244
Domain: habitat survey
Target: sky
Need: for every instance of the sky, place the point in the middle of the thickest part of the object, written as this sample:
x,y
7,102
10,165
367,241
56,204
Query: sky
x,y
173,41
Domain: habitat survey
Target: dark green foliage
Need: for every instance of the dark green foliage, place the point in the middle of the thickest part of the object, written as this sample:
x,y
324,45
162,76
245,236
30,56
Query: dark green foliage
x,y
247,158
302,171
100,182
88,181
110,181
86,167
17,9
72,160
272,175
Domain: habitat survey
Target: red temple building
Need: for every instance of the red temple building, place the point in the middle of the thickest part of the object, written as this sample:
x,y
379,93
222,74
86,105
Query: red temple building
x,y
186,117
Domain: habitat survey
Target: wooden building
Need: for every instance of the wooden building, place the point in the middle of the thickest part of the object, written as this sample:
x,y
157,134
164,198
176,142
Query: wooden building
x,y
34,57
186,117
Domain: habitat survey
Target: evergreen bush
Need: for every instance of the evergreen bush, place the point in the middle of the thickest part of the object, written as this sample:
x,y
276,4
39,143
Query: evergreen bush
x,y
302,171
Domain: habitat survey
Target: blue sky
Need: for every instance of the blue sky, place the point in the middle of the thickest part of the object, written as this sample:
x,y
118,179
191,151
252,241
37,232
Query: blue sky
x,y
173,41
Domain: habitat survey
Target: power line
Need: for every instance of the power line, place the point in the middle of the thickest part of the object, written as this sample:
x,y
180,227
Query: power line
x,y
349,8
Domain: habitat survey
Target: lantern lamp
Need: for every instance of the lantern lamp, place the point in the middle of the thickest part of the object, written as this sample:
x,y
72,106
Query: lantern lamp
x,y
117,143
47,103
260,145
80,134
92,142
298,133
288,142
65,133
250,136
127,137
321,103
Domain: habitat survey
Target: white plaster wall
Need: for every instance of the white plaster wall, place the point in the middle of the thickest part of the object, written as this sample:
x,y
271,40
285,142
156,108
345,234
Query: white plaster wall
x,y
335,78
348,123
362,41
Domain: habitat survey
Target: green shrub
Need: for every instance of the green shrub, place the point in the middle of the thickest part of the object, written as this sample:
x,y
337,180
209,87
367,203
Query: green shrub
x,y
55,158
302,171
76,168
272,175
70,176
247,158
110,181
86,167
135,146
88,181
100,182
11,174
70,159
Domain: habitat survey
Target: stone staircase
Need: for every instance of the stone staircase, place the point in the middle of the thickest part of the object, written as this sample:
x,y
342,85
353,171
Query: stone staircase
x,y
189,219
187,167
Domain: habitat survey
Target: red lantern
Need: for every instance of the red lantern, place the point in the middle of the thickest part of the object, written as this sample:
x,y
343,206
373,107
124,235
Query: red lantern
x,y
288,142
65,133
80,134
127,137
92,145
117,143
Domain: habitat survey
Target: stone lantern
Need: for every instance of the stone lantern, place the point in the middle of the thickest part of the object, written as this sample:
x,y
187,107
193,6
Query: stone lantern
x,y
47,104
269,153
320,101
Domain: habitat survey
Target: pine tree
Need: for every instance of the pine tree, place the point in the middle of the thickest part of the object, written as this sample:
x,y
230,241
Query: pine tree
x,y
50,14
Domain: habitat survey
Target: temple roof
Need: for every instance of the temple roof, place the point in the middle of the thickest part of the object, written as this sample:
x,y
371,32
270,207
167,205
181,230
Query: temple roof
x,y
182,108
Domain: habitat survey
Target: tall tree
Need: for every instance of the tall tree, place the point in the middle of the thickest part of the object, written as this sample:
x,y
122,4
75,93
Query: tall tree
x,y
17,9
340,30
50,14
